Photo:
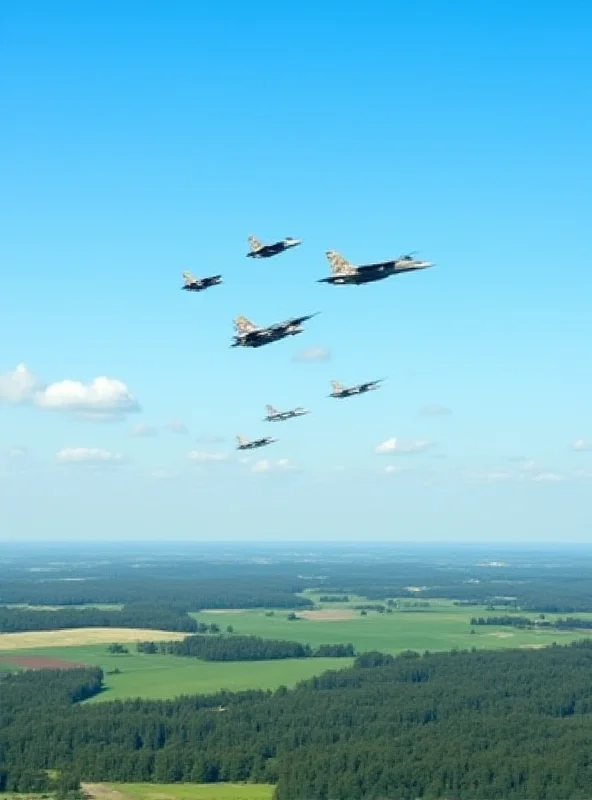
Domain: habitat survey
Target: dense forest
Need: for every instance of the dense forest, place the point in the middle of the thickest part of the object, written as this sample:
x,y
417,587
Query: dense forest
x,y
474,725
244,648
14,620
556,583
180,593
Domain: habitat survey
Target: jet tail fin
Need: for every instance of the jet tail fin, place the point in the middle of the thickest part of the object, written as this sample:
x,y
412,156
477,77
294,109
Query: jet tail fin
x,y
254,243
240,440
271,411
243,325
336,386
338,264
188,278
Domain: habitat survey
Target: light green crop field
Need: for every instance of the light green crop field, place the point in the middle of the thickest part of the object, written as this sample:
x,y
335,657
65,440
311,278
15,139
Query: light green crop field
x,y
163,676
442,626
193,791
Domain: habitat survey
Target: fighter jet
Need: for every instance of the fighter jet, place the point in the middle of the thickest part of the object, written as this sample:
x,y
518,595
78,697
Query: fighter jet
x,y
247,334
273,415
259,250
342,272
245,444
340,391
192,284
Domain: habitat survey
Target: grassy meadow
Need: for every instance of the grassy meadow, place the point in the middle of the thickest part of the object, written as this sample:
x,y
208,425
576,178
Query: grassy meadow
x,y
441,626
189,791
163,676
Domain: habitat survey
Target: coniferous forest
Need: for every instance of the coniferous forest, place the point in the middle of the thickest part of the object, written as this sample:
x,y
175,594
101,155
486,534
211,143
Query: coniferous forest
x,y
478,725
473,725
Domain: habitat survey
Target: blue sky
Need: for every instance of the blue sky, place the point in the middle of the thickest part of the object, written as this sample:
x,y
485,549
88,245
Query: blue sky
x,y
142,139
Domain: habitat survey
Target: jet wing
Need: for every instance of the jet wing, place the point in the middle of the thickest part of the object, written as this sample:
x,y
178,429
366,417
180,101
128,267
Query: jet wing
x,y
293,321
369,384
374,267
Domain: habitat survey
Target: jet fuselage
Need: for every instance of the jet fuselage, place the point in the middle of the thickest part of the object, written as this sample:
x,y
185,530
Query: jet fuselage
x,y
263,337
253,445
204,283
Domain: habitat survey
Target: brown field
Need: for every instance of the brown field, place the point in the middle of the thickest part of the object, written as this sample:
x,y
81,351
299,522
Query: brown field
x,y
328,615
77,637
39,662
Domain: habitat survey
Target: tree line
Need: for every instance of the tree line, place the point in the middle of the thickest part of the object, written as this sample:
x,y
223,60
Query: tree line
x,y
244,648
479,725
567,624
15,620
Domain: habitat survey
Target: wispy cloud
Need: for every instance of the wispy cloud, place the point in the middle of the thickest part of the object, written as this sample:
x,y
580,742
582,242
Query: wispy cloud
x,y
89,456
177,427
281,465
582,446
142,431
311,354
396,446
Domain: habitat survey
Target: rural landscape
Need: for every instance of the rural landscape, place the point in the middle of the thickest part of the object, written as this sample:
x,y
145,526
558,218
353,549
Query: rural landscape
x,y
259,672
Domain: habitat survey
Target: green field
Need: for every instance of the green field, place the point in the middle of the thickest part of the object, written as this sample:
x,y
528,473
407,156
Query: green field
x,y
158,676
442,626
192,791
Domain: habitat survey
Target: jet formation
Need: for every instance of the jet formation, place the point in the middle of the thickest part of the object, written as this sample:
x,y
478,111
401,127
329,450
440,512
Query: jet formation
x,y
248,334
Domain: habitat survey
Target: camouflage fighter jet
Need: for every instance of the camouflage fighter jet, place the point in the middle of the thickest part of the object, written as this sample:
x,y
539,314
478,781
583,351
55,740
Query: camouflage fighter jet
x,y
342,272
340,391
247,334
192,284
245,444
273,415
259,250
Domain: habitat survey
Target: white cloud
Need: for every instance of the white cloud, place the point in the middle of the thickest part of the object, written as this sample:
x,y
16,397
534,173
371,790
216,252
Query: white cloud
x,y
89,456
202,457
19,386
397,446
313,354
142,430
582,445
177,427
102,396
264,465
434,410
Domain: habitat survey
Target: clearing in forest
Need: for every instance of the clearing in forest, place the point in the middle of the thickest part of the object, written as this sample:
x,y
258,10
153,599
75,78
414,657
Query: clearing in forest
x,y
81,636
178,791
